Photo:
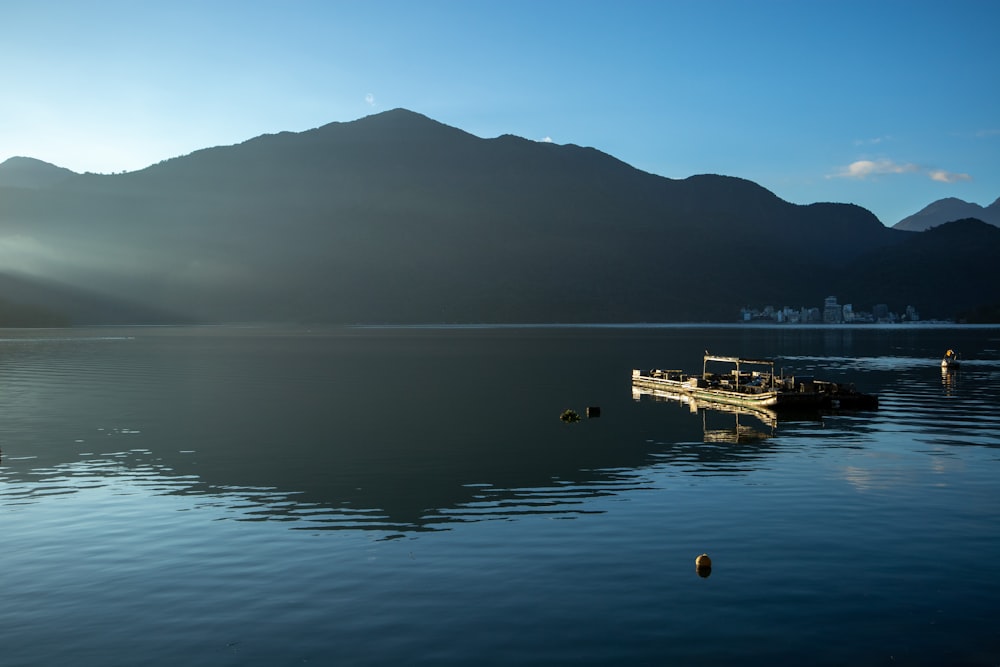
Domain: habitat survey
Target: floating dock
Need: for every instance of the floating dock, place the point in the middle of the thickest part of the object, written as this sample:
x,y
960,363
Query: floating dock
x,y
752,383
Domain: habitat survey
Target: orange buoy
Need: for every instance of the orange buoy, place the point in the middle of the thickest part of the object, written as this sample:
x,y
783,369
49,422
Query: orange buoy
x,y
703,565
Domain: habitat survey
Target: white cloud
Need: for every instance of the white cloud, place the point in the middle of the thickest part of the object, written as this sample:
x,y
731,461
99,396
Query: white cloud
x,y
547,140
865,168
370,99
947,177
862,169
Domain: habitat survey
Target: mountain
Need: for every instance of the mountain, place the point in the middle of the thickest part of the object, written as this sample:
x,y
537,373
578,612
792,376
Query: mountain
x,y
396,218
948,270
26,172
947,210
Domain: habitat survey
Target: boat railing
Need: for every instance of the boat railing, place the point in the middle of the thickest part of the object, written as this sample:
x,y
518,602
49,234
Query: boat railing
x,y
737,373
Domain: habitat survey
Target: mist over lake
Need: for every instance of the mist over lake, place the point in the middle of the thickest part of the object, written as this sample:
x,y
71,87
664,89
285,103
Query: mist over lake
x,y
409,495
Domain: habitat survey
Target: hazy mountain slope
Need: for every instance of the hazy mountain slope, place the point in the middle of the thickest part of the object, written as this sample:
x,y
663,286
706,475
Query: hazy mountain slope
x,y
948,210
26,172
25,302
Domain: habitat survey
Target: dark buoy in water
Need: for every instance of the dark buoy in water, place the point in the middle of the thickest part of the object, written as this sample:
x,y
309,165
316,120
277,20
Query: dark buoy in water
x,y
703,566
593,412
569,416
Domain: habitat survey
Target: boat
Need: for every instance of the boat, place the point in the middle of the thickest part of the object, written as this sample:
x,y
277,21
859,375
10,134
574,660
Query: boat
x,y
951,360
752,383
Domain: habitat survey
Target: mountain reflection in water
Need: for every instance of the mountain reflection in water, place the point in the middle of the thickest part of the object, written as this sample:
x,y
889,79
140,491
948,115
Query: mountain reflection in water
x,y
389,430
134,473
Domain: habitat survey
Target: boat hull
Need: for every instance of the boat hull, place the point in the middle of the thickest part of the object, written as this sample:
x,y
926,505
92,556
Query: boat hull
x,y
763,399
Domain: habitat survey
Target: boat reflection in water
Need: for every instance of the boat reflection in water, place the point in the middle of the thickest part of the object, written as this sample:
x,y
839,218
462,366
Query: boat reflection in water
x,y
748,425
949,379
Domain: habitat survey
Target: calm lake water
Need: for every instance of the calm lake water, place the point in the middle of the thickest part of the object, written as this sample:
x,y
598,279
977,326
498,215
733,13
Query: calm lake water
x,y
375,496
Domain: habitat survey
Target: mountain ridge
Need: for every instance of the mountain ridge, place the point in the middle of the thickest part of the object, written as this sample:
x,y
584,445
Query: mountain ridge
x,y
397,218
27,172
948,209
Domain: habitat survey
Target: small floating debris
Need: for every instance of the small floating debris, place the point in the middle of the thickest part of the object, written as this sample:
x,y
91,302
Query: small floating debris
x,y
570,416
593,411
703,565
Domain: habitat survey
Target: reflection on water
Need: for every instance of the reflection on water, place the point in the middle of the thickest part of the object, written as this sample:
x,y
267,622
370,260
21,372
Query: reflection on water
x,y
353,432
139,472
757,424
949,380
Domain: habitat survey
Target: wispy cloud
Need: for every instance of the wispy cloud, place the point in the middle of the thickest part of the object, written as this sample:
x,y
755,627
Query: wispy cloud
x,y
872,141
863,169
947,177
370,99
546,140
988,133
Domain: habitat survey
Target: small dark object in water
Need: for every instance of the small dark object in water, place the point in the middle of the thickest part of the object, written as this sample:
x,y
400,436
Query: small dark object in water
x,y
703,566
951,361
593,411
569,416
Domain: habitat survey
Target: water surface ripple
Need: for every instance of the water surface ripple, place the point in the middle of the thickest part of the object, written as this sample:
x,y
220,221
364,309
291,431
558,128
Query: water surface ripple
x,y
364,496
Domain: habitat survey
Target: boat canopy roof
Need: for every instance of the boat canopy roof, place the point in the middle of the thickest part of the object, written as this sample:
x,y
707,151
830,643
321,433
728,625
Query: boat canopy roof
x,y
739,360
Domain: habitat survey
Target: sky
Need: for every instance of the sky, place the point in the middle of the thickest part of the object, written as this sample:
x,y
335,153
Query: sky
x,y
888,104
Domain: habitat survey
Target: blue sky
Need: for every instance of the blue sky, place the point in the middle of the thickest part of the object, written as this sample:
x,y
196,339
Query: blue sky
x,y
886,104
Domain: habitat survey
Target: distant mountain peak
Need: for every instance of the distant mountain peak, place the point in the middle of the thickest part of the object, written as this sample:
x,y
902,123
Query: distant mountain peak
x,y
946,210
394,118
20,163
27,172
400,112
